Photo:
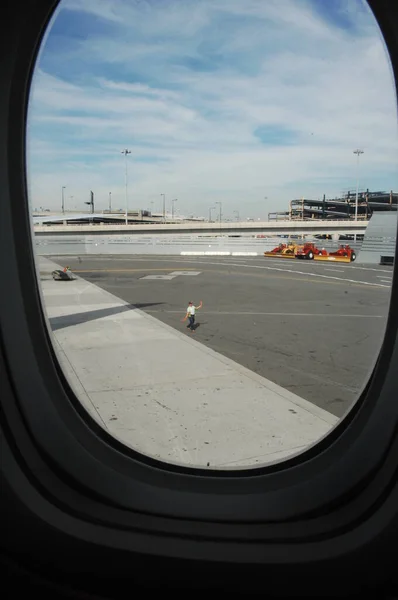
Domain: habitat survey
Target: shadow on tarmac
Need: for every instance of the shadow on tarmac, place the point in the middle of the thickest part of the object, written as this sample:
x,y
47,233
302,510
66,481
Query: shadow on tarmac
x,y
84,317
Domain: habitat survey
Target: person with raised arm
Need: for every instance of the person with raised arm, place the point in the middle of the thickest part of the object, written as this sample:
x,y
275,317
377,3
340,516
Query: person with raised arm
x,y
190,315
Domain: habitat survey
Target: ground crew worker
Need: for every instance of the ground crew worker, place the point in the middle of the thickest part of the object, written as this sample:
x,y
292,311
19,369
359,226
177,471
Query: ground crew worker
x,y
191,315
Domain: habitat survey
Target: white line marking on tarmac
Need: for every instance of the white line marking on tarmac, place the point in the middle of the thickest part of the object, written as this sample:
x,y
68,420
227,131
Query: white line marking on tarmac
x,y
308,273
164,277
371,269
273,314
314,275
385,280
176,273
335,270
382,277
295,271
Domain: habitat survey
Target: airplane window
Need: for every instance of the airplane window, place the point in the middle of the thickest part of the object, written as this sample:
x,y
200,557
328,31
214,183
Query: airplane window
x,y
213,193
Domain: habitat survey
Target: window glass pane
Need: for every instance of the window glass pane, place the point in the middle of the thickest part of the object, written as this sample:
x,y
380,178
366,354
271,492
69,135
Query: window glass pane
x,y
237,154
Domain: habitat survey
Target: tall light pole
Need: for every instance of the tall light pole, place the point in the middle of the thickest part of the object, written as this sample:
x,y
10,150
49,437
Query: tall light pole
x,y
220,214
358,153
63,199
164,206
236,212
172,207
110,201
210,209
125,152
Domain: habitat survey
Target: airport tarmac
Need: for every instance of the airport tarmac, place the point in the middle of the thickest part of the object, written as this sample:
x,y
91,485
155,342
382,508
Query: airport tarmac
x,y
313,328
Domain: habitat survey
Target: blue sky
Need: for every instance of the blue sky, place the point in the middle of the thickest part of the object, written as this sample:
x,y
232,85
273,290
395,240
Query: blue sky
x,y
231,100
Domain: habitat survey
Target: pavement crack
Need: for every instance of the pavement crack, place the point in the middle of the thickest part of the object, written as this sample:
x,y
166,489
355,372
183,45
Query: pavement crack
x,y
166,407
361,339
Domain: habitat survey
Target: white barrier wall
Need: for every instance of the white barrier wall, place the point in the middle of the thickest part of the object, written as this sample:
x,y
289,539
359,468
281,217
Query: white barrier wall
x,y
57,245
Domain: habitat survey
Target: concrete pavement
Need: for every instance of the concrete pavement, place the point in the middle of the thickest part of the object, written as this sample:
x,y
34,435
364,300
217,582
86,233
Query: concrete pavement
x,y
165,394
